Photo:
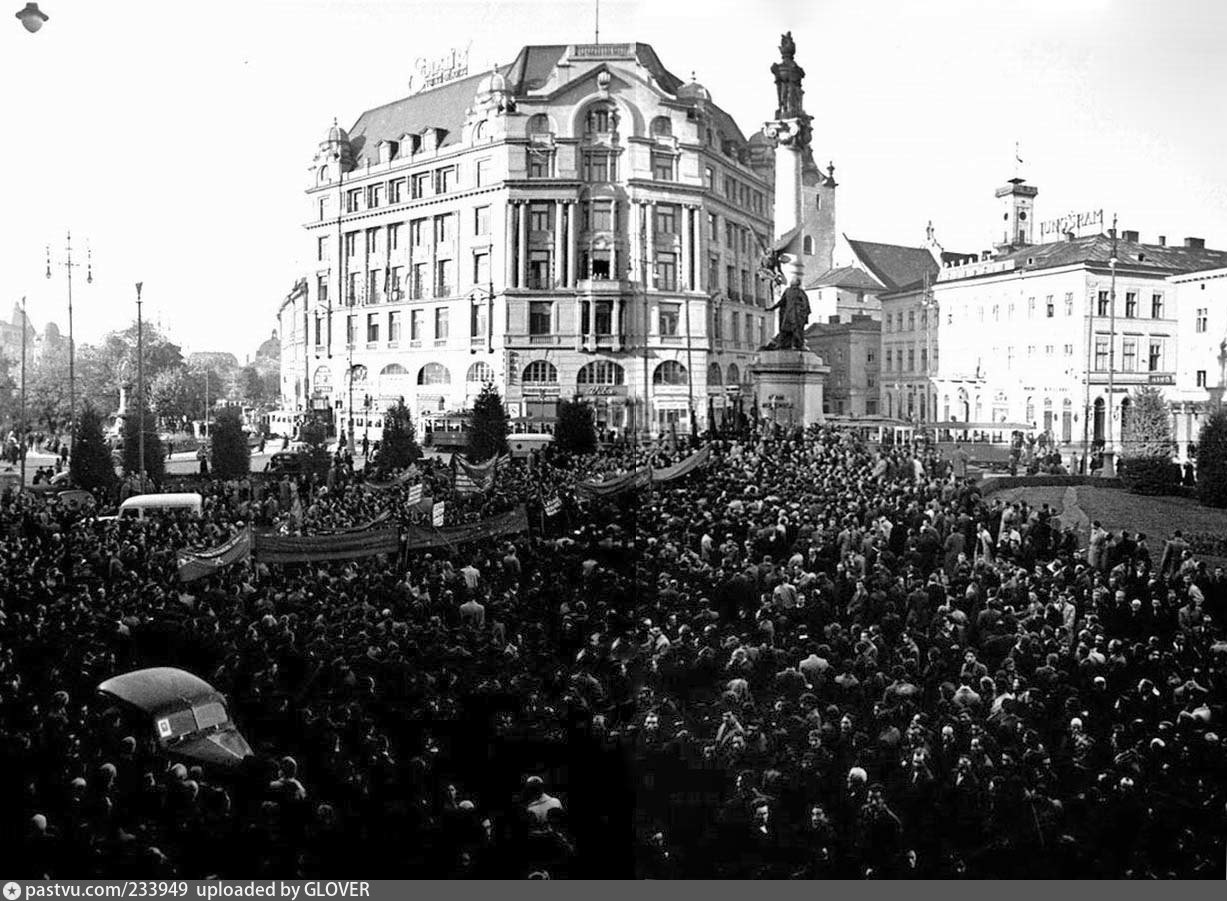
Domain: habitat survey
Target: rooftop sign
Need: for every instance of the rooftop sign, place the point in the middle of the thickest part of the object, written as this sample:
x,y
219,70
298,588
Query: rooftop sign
x,y
431,73
1071,222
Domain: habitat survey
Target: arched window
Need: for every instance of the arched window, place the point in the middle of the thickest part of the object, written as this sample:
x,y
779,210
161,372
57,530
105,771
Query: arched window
x,y
1124,415
808,245
393,369
539,124
669,372
480,372
1029,416
479,131
393,380
662,127
321,379
540,372
434,374
713,375
601,372
734,374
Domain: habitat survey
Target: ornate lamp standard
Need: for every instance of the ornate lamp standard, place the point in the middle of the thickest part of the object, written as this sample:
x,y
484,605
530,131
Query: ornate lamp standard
x,y
68,265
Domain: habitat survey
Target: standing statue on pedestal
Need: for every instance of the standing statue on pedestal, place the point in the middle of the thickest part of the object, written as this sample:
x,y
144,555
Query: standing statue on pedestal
x,y
788,77
794,316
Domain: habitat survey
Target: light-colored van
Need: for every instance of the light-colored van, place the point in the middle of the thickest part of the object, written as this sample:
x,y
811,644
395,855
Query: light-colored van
x,y
143,505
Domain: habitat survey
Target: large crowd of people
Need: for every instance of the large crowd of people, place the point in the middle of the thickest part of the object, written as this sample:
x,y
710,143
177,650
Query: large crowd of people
x,y
809,658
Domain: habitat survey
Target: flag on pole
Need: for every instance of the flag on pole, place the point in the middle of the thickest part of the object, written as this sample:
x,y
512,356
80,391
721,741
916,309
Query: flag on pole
x,y
415,494
436,515
553,506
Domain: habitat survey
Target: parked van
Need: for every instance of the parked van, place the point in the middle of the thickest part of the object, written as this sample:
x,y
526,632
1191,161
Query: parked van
x,y
143,505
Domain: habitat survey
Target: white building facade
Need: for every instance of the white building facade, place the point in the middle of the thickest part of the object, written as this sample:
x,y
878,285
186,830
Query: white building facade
x,y
1201,328
578,223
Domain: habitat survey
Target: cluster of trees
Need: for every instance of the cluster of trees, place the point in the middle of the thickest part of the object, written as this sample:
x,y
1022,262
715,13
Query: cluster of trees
x,y
176,391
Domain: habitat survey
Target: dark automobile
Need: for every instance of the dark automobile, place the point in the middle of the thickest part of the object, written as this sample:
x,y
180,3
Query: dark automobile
x,y
287,462
184,716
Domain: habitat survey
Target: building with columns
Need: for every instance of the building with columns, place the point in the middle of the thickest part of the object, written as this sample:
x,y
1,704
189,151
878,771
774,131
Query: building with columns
x,y
580,222
1025,332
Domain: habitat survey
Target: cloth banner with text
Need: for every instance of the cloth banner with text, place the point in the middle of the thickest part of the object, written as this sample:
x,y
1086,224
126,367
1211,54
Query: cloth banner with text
x,y
470,478
199,564
685,467
632,481
419,538
272,548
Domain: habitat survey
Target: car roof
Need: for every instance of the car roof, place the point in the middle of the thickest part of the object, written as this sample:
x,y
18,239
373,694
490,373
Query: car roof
x,y
157,688
160,500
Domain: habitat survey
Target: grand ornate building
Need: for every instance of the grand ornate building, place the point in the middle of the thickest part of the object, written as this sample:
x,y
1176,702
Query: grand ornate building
x,y
580,222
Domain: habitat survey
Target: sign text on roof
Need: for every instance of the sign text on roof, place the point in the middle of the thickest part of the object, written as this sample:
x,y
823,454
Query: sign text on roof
x,y
452,65
1071,222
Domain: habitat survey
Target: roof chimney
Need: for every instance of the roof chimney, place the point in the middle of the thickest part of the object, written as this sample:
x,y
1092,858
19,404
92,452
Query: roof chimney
x,y
1162,240
1195,243
1128,235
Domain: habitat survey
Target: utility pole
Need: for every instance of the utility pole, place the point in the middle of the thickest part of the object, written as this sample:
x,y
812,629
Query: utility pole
x,y
140,385
25,328
1109,452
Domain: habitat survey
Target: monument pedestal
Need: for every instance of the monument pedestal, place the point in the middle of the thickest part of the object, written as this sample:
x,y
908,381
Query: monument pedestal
x,y
788,385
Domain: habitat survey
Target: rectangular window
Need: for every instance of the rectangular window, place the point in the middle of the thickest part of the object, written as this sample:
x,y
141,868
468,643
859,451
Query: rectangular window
x,y
1069,350
540,163
481,268
372,285
372,241
417,233
353,200
745,285
1156,306
713,228
666,271
730,282
600,215
996,313
445,179
713,273
1050,307
319,323
482,173
396,190
351,327
662,167
445,230
709,176
321,248
323,206
420,283
416,319
1202,317
1129,355
1103,301
1069,303
445,278
321,288
1048,350
911,359
600,166
394,236
1201,378
538,217
1131,304
666,219
911,320
539,270
1009,357
735,332
540,317
924,360
1101,353
441,323
604,317
1156,355
669,313
1030,307
420,185
372,327
394,325
481,220
351,245
478,320
374,196
351,289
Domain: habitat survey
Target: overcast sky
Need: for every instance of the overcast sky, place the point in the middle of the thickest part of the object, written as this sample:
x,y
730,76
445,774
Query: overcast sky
x,y
175,137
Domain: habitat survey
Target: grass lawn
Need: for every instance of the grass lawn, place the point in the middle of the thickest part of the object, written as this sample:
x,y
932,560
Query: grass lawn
x,y
1116,509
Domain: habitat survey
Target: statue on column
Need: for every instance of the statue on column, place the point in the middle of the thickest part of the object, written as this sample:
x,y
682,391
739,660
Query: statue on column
x,y
794,317
788,77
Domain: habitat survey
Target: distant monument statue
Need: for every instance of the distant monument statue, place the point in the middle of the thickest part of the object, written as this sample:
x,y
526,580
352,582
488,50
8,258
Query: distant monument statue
x,y
788,77
794,316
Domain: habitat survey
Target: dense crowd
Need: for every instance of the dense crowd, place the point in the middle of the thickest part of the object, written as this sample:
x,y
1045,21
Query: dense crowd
x,y
807,659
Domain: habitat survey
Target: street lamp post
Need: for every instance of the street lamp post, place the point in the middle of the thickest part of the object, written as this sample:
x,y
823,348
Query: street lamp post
x,y
72,347
1109,452
25,328
140,386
